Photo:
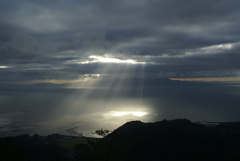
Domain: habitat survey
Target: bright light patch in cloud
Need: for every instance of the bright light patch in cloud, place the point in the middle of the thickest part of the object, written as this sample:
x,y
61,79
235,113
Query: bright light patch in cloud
x,y
91,76
213,49
217,48
3,67
109,59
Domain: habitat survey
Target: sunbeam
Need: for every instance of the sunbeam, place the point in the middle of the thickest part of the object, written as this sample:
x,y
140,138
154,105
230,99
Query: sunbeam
x,y
141,77
109,96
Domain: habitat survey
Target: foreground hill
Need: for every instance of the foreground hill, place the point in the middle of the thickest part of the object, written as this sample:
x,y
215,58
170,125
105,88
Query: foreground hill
x,y
176,140
33,148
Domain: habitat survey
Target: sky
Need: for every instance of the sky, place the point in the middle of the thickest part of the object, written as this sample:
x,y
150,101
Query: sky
x,y
79,63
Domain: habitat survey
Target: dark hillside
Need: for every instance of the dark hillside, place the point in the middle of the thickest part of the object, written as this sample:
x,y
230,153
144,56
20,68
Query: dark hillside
x,y
35,148
179,140
175,140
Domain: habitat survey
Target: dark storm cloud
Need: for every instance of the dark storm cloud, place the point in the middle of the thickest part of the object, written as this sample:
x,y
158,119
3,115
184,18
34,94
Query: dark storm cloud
x,y
40,35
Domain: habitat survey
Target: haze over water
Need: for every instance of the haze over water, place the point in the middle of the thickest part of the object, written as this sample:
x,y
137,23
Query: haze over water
x,y
103,101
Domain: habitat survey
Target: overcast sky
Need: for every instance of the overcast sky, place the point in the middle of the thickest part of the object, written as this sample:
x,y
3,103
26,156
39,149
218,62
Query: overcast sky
x,y
140,45
180,38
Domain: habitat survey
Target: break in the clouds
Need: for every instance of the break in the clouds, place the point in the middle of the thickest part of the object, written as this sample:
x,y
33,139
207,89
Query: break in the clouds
x,y
177,38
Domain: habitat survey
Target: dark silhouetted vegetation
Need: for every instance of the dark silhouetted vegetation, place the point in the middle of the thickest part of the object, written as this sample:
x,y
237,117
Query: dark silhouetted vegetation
x,y
102,132
180,140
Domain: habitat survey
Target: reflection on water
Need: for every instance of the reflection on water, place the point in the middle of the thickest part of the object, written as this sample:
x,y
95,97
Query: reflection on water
x,y
84,116
133,113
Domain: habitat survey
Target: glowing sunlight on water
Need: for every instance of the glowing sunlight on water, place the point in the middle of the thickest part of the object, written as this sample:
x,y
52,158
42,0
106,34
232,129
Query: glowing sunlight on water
x,y
124,113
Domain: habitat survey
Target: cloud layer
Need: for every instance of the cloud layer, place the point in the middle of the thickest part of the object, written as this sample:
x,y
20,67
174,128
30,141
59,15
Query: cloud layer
x,y
177,38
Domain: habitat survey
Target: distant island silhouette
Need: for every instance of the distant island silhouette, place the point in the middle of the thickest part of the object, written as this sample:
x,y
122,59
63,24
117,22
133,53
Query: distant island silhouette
x,y
173,140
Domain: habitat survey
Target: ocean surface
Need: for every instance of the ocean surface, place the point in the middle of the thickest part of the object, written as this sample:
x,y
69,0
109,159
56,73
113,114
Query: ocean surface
x,y
45,110
44,113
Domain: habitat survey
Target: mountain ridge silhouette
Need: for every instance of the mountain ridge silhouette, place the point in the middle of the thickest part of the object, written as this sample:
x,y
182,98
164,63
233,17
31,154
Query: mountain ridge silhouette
x,y
178,139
